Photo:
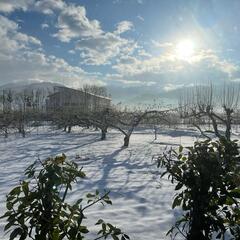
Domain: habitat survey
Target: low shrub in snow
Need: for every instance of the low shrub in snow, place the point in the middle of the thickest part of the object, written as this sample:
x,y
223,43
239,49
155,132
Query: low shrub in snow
x,y
207,183
38,209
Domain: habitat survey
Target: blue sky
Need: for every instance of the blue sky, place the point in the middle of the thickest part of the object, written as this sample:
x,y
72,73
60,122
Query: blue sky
x,y
136,46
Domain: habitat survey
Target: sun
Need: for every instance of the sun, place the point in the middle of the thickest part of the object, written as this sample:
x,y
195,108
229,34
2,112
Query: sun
x,y
185,50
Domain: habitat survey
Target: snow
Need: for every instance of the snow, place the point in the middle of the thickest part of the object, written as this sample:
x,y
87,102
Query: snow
x,y
141,200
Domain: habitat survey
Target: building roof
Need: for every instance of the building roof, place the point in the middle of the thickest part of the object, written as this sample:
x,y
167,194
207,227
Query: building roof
x,y
76,91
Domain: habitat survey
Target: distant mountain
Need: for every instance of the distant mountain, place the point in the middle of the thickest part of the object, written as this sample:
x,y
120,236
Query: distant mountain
x,y
135,96
149,95
46,87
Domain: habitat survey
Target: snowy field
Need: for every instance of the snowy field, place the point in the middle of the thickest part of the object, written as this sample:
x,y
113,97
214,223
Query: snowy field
x,y
141,201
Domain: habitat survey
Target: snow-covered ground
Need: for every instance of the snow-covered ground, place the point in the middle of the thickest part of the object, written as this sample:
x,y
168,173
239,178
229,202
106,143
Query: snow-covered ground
x,y
141,201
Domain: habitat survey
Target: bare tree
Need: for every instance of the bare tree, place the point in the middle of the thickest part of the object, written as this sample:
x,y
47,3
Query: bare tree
x,y
7,112
126,122
23,102
101,119
96,90
7,100
206,103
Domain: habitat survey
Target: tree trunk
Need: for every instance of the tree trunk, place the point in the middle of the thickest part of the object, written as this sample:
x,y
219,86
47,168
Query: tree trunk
x,y
103,136
228,131
155,132
23,133
228,123
6,133
69,129
21,130
126,141
198,229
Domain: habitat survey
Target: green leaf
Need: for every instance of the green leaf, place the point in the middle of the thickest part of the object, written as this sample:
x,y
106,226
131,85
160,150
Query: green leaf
x,y
104,227
25,188
83,229
177,201
184,159
15,233
170,231
15,191
126,236
108,201
55,234
90,195
6,214
111,227
81,174
115,237
117,231
9,205
179,186
235,193
78,201
100,221
180,148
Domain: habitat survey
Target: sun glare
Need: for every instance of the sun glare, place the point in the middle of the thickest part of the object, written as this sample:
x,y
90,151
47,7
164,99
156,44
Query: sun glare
x,y
185,50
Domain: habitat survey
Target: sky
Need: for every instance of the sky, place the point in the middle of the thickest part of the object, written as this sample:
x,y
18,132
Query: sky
x,y
133,47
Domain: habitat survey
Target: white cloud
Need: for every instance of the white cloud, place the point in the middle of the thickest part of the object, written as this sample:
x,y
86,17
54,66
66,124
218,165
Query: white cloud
x,y
38,66
48,6
165,63
120,1
11,39
162,44
210,59
44,25
170,87
170,72
21,59
95,45
127,60
136,83
101,49
27,39
71,51
169,62
73,24
9,6
43,6
123,26
143,53
228,67
140,18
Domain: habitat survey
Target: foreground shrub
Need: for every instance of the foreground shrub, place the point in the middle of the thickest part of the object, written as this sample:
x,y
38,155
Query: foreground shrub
x,y
207,180
37,208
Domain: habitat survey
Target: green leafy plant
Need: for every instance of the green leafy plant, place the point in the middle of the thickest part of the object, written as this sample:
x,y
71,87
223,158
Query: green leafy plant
x,y
207,184
38,209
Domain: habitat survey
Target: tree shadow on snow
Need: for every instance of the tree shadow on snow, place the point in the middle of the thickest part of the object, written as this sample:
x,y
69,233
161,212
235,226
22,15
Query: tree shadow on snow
x,y
114,162
179,133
